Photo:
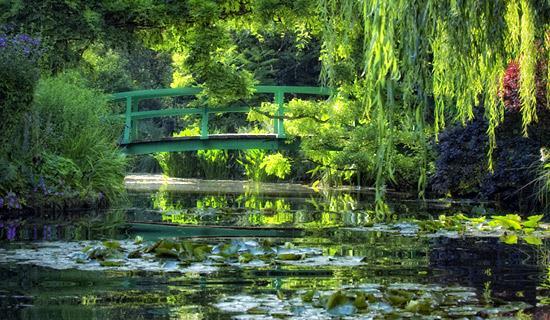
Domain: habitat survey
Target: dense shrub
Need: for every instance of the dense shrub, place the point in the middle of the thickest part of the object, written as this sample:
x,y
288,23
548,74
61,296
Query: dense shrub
x,y
461,162
70,125
19,76
462,167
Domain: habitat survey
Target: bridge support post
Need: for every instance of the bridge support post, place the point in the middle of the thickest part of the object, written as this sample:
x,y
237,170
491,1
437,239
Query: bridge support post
x,y
278,124
128,121
135,108
204,124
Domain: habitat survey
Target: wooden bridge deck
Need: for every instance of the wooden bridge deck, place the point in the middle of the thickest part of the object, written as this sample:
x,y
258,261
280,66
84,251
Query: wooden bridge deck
x,y
227,141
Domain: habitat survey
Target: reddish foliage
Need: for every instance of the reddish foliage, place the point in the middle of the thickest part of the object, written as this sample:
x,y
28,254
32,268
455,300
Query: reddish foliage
x,y
510,88
509,92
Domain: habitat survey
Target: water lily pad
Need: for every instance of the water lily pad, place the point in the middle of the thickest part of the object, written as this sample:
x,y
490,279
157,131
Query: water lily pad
x,y
112,245
308,296
166,253
108,263
532,240
360,301
290,256
533,221
510,239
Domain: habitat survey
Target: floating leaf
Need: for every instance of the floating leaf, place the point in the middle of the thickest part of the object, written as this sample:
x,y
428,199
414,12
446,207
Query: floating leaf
x,y
246,258
509,221
481,219
533,221
112,245
510,239
290,256
361,301
256,310
335,299
532,240
308,296
166,253
419,306
339,304
110,263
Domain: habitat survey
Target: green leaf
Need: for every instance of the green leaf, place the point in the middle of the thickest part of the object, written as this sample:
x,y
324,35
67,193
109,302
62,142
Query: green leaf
x,y
533,221
361,301
308,296
290,256
397,300
166,253
533,240
477,220
336,299
509,221
110,263
419,306
112,245
509,239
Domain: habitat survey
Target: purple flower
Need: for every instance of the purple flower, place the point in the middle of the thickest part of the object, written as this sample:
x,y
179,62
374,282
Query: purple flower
x,y
12,232
1,202
22,44
12,201
23,38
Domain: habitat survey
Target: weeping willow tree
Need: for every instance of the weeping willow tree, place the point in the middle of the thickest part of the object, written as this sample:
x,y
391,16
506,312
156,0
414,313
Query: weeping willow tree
x,y
431,60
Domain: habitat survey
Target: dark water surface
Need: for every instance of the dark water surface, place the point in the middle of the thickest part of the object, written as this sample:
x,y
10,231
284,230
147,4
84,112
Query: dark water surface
x,y
348,247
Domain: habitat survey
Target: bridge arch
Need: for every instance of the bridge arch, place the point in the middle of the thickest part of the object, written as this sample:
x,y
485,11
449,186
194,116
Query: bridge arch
x,y
205,141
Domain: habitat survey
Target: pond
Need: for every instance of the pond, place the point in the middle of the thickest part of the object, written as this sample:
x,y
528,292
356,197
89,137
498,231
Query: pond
x,y
221,250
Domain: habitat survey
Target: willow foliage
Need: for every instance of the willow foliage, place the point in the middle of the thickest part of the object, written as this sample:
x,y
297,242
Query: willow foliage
x,y
440,57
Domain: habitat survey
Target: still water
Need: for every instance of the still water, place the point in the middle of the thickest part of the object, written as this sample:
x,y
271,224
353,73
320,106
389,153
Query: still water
x,y
262,254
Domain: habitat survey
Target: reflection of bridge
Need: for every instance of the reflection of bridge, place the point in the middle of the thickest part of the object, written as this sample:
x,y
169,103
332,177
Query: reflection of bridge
x,y
276,140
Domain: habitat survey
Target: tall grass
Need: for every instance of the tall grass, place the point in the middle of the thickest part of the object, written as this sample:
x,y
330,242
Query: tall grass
x,y
69,123
543,181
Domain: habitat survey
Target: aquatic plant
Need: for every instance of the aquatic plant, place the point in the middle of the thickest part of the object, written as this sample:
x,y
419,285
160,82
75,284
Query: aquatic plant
x,y
251,160
510,228
276,165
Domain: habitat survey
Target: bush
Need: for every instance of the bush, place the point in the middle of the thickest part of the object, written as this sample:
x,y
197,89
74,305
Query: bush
x,y
70,124
461,162
461,166
19,76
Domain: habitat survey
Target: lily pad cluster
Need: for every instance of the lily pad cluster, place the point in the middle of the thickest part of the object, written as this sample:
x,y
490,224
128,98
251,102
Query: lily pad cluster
x,y
236,252
406,300
510,228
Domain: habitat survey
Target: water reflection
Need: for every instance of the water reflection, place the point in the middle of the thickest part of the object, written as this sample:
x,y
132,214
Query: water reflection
x,y
487,271
44,227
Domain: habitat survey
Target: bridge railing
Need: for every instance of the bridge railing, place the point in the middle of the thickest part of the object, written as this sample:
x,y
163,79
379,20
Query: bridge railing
x,y
132,113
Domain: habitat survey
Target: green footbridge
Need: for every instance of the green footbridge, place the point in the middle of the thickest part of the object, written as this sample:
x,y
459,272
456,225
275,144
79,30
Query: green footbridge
x,y
132,144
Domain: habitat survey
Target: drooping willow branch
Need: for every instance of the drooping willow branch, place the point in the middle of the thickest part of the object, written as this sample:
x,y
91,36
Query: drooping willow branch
x,y
446,51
